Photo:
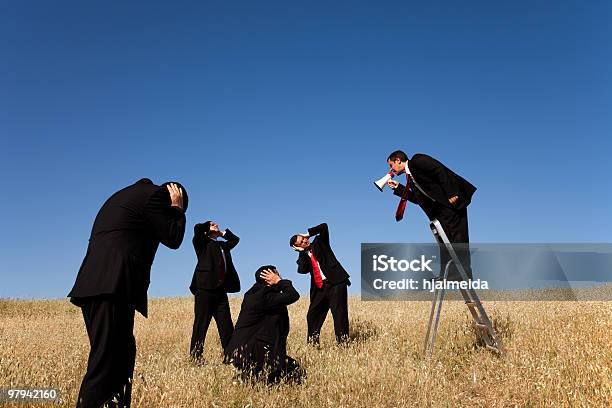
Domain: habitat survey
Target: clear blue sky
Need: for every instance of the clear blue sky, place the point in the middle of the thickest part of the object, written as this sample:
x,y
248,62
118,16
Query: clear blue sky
x,y
279,115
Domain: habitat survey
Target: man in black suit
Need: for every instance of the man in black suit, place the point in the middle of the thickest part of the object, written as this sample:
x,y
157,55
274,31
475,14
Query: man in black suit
x,y
442,194
113,280
214,277
258,346
328,283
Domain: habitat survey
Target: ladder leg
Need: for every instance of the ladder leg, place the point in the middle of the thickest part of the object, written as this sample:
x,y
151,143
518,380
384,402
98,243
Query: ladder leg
x,y
436,308
431,315
471,298
436,322
481,326
495,340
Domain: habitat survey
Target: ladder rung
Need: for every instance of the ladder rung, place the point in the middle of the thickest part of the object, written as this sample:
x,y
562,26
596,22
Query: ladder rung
x,y
482,326
470,304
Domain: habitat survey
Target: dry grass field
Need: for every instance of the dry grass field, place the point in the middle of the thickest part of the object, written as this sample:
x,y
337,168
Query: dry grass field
x,y
559,354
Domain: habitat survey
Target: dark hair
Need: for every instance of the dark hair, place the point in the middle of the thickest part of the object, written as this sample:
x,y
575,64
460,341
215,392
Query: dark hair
x,y
293,240
260,270
185,196
398,154
202,229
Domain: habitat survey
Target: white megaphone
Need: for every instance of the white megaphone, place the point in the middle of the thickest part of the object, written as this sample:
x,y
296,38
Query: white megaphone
x,y
381,183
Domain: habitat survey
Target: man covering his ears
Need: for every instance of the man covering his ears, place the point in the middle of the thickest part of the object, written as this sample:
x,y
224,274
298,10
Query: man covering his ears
x,y
214,277
113,281
258,348
328,283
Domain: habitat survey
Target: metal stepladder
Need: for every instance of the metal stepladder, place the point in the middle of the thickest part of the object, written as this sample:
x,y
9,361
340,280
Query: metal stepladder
x,y
484,327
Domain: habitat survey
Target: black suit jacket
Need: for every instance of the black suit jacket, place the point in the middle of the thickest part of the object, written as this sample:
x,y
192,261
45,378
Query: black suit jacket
x,y
210,259
263,319
438,182
124,239
330,266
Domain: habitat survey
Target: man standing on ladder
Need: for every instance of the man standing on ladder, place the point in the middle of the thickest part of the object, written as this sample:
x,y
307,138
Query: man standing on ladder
x,y
442,194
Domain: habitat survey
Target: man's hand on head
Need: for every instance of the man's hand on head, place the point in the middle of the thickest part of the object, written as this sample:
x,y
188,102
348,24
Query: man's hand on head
x,y
270,277
453,200
176,195
216,233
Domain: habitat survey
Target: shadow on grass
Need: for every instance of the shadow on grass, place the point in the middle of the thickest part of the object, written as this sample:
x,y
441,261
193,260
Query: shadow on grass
x,y
361,331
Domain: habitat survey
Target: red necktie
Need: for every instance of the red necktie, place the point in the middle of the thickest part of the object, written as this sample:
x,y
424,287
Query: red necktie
x,y
316,271
401,207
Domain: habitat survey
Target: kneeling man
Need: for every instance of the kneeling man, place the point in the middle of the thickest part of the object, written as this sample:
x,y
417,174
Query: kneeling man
x,y
258,346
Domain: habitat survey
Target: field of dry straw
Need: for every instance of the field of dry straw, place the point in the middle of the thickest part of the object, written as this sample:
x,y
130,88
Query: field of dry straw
x,y
559,354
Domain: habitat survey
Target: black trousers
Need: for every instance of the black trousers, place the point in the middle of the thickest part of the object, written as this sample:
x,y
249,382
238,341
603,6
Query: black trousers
x,y
288,371
209,304
329,297
110,367
455,224
262,363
